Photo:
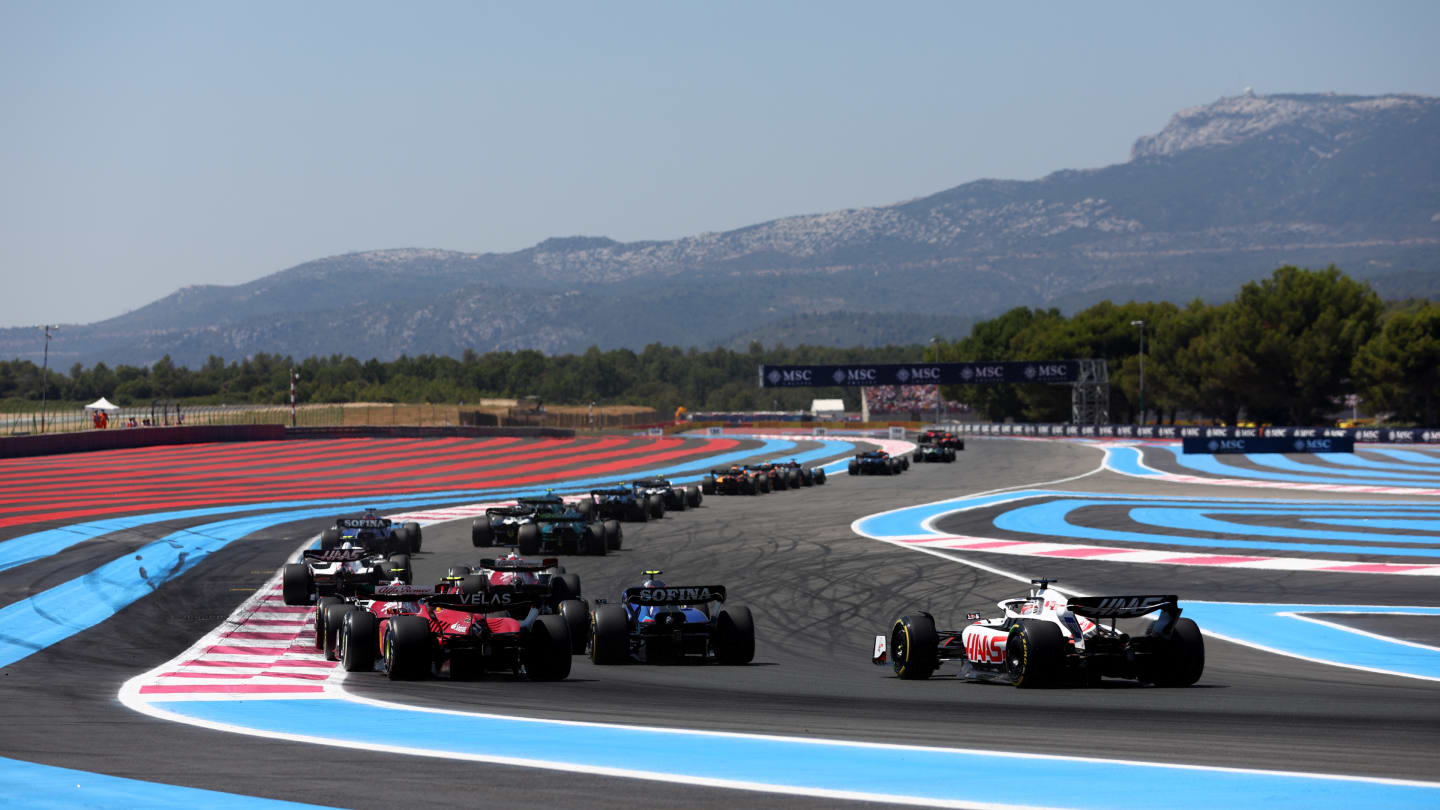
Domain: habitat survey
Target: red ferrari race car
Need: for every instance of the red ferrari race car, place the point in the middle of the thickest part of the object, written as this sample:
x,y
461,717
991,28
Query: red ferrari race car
x,y
564,598
414,635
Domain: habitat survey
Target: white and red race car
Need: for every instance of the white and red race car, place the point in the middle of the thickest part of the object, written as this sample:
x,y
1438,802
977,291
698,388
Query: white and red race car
x,y
1049,639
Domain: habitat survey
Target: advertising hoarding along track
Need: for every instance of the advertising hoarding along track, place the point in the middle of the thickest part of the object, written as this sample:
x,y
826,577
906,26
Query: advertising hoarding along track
x,y
1047,371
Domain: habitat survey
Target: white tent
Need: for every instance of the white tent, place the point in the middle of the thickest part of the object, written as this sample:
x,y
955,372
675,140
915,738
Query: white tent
x,y
102,404
827,407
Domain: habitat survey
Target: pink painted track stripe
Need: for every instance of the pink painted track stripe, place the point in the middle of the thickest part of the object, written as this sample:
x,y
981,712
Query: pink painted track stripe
x,y
1077,552
1376,567
222,688
991,544
253,635
273,652
240,675
308,676
1211,560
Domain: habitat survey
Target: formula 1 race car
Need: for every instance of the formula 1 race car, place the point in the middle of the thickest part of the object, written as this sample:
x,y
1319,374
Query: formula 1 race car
x,y
417,634
656,623
564,599
675,498
932,453
546,524
878,462
628,503
374,533
809,476
781,477
736,480
1047,639
941,438
339,572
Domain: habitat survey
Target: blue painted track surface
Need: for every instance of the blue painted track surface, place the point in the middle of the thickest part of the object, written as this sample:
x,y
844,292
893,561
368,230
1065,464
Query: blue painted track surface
x,y
31,785
953,775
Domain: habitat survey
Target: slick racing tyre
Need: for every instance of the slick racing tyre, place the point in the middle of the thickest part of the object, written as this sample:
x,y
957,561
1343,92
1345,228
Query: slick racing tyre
x,y
1178,660
854,468
334,620
547,649
656,506
577,619
593,540
586,508
330,538
527,539
914,647
693,495
399,568
609,635
295,584
482,534
414,529
565,586
357,641
320,605
472,584
819,477
735,636
407,648
614,535
1034,653
707,486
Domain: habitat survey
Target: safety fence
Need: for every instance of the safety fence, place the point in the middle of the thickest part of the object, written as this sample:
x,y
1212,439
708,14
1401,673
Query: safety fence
x,y
1415,435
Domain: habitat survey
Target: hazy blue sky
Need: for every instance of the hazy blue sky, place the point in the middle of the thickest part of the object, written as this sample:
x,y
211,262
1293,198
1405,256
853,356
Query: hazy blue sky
x,y
146,146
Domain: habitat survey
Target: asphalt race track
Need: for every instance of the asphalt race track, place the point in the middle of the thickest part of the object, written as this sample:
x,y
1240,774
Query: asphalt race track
x,y
819,591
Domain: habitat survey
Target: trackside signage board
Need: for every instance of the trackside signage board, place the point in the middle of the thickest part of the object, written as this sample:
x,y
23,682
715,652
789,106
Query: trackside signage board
x,y
1172,432
1269,444
1049,371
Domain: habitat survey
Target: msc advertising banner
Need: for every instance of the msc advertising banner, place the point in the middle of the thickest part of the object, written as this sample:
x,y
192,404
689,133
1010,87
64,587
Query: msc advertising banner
x,y
1190,433
1270,444
1053,371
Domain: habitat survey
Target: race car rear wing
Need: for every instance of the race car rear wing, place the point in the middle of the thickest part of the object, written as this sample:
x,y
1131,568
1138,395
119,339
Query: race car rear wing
x,y
677,595
393,593
1123,607
497,564
509,511
362,523
489,600
336,554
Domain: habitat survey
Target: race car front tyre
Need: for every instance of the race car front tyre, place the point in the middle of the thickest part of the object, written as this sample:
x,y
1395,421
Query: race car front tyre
x,y
707,485
330,538
407,648
819,477
295,584
414,529
692,496
735,636
656,505
854,468
593,541
320,606
1178,660
482,534
357,641
577,619
609,635
1034,653
399,568
914,647
334,620
614,535
547,649
527,539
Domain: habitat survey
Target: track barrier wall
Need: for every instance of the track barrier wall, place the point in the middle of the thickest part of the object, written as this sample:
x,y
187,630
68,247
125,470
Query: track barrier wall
x,y
1372,435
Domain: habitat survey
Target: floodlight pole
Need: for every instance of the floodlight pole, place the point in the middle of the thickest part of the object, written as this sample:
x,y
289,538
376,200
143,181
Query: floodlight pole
x,y
1141,324
45,375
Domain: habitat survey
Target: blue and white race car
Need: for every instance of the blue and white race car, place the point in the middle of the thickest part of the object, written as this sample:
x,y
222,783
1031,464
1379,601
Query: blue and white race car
x,y
657,622
373,533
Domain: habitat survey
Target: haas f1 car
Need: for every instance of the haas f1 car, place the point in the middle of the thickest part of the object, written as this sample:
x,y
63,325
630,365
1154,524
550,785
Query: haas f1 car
x,y
1048,639
659,623
339,572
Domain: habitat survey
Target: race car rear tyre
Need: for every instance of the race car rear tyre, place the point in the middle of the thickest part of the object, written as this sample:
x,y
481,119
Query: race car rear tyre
x,y
400,541
1178,660
914,647
735,636
482,534
357,640
609,635
779,483
547,649
614,535
1034,653
334,620
819,477
795,482
399,568
656,505
295,584
593,541
765,483
407,648
586,508
707,485
854,468
563,587
577,619
692,496
415,538
904,463
527,539
472,584
320,605
330,538
919,458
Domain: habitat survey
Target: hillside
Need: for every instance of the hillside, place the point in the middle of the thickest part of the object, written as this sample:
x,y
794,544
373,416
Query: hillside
x,y
1224,194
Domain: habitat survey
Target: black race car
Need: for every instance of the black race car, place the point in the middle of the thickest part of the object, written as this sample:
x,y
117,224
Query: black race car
x,y
655,622
878,462
627,503
675,498
932,453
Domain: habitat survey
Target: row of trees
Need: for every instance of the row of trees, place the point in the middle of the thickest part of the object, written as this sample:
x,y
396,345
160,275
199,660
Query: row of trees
x,y
1288,349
